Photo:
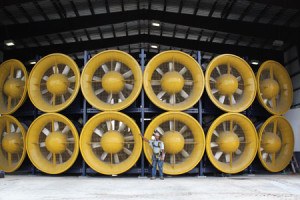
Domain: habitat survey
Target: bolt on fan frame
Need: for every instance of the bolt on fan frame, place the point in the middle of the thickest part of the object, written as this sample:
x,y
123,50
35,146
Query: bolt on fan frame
x,y
52,143
12,143
111,80
183,138
231,143
276,87
233,88
110,143
167,78
13,90
53,83
276,143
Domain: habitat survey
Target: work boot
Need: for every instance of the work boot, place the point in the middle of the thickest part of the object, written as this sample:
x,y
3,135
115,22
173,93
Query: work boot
x,y
161,178
152,178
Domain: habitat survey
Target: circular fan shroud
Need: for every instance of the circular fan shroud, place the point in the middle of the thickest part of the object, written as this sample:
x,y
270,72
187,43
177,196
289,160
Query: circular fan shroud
x,y
231,143
274,87
111,80
230,83
186,141
54,82
110,143
13,88
52,143
173,80
276,140
12,147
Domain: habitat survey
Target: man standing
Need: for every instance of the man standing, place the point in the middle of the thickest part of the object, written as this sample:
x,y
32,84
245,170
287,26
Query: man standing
x,y
158,155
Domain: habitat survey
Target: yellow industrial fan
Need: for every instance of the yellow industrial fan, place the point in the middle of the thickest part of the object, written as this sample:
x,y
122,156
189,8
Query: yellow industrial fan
x,y
12,148
111,80
52,143
173,80
110,143
275,90
231,143
230,83
13,77
183,138
53,82
276,143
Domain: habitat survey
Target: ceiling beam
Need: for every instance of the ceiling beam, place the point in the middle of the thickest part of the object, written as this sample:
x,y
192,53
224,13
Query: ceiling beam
x,y
216,24
293,4
68,48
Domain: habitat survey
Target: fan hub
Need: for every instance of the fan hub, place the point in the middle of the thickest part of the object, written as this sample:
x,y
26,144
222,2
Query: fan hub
x,y
12,143
113,82
57,84
173,141
14,88
271,142
269,88
227,84
228,142
172,82
112,142
56,142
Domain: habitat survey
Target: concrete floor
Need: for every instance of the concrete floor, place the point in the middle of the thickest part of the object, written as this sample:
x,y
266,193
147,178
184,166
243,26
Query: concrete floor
x,y
71,187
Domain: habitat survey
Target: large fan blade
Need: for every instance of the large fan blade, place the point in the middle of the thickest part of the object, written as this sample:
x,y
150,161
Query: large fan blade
x,y
218,155
45,78
239,91
160,130
264,156
108,125
70,90
127,151
239,78
172,125
218,69
188,82
127,138
121,126
183,129
46,131
103,156
241,139
213,144
99,91
238,152
171,66
60,158
128,86
98,132
172,159
127,74
182,71
96,78
184,94
184,153
12,128
222,99
72,79
213,91
159,71
116,158
155,82
216,133
113,124
190,140
49,156
232,100
65,130
69,151
161,94
121,96
66,70
56,126
96,145
109,97
172,99
227,157
19,73
118,66
105,68
63,100
224,126
212,79
43,144
228,68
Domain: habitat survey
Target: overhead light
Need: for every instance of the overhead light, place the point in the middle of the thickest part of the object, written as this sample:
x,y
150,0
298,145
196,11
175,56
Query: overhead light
x,y
32,62
278,43
154,46
254,62
155,24
9,43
